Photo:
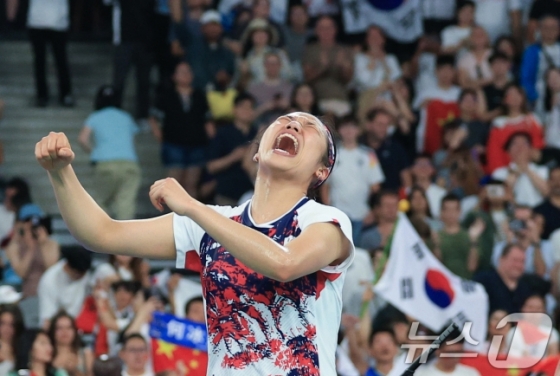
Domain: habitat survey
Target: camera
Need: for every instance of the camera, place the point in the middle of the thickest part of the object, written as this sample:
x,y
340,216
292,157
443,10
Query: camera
x,y
517,225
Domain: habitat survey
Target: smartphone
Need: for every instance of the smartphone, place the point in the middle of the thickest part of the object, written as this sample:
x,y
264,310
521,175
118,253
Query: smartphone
x,y
495,191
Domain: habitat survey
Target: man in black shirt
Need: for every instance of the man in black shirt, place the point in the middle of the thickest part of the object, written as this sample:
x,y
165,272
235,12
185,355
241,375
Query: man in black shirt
x,y
391,154
494,91
227,150
178,123
550,209
505,288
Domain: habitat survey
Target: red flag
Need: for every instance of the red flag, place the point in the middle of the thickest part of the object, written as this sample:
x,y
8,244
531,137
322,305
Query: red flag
x,y
184,360
549,366
438,113
512,364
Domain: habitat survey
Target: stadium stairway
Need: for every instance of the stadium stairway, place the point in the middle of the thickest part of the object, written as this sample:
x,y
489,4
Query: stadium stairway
x,y
23,125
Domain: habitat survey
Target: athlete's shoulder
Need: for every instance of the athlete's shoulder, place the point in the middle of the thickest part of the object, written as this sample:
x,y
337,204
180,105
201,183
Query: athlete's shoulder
x,y
313,212
230,211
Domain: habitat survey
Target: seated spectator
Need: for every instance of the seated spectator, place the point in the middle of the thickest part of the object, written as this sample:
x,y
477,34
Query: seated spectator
x,y
113,154
531,337
273,93
179,125
69,352
505,288
448,365
537,59
357,175
508,46
419,208
31,250
392,156
194,310
385,207
122,268
423,173
297,33
550,208
455,38
525,231
328,68
500,64
40,357
135,356
258,41
65,285
437,104
374,69
11,332
458,248
525,179
552,109
227,150
473,66
496,316
304,99
516,118
105,366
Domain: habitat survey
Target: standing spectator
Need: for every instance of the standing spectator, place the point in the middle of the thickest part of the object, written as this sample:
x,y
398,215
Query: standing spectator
x,y
385,207
499,17
179,125
357,175
392,156
297,33
11,332
552,109
494,91
211,62
506,45
455,38
31,251
550,208
327,66
540,9
258,40
65,285
69,352
419,209
473,133
40,357
516,118
48,22
447,362
423,173
538,58
304,99
474,66
226,152
374,68
113,154
526,180
273,93
133,22
135,356
458,248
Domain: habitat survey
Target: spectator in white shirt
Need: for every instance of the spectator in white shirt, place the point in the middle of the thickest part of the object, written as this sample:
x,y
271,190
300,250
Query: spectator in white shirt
x,y
499,17
454,38
448,365
527,180
474,66
135,356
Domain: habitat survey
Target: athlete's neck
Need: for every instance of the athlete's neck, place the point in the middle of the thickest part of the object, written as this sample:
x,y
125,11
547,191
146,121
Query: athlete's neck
x,y
273,198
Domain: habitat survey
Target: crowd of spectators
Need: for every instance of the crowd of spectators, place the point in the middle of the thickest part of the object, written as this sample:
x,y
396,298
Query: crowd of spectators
x,y
458,128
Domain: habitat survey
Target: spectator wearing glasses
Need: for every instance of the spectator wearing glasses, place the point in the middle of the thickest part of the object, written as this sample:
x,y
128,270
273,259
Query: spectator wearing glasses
x,y
135,356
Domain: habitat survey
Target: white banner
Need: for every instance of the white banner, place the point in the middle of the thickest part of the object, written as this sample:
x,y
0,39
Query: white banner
x,y
399,19
418,284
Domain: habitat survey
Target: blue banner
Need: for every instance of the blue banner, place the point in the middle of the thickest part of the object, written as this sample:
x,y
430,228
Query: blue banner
x,y
182,332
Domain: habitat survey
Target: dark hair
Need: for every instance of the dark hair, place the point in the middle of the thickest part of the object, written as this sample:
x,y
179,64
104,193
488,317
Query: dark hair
x,y
524,105
376,27
77,343
19,326
549,95
467,92
135,266
508,248
23,195
106,97
374,112
450,197
346,120
549,15
553,169
248,45
105,366
535,295
414,189
314,106
381,330
498,55
242,97
465,3
375,199
77,258
273,53
29,338
515,135
443,60
132,336
188,305
130,286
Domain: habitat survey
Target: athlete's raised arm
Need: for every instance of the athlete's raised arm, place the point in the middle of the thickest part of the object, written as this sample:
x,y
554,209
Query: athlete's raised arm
x,y
90,225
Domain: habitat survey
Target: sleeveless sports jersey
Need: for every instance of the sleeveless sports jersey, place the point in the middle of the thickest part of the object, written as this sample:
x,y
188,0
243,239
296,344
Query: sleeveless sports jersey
x,y
257,325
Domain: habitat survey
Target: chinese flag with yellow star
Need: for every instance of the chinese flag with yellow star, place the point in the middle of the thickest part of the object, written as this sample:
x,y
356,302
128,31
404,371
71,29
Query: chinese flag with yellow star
x,y
438,113
184,360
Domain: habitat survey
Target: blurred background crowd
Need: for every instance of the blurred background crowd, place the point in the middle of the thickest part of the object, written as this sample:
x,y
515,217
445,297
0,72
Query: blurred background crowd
x,y
447,111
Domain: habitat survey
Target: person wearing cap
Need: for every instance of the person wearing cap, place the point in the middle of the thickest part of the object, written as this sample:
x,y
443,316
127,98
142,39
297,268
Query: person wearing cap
x,y
65,285
108,135
272,268
31,251
209,59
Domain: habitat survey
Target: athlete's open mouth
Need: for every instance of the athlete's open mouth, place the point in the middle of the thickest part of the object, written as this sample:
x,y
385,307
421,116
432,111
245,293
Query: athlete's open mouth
x,y
286,144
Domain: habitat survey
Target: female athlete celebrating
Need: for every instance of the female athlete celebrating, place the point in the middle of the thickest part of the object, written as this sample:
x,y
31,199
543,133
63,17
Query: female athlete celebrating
x,y
271,269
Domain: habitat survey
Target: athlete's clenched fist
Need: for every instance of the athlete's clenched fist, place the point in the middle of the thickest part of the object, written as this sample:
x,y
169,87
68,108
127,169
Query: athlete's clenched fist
x,y
54,152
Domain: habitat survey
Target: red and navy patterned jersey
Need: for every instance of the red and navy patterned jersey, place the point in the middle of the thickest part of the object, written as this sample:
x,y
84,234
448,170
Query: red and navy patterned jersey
x,y
257,325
